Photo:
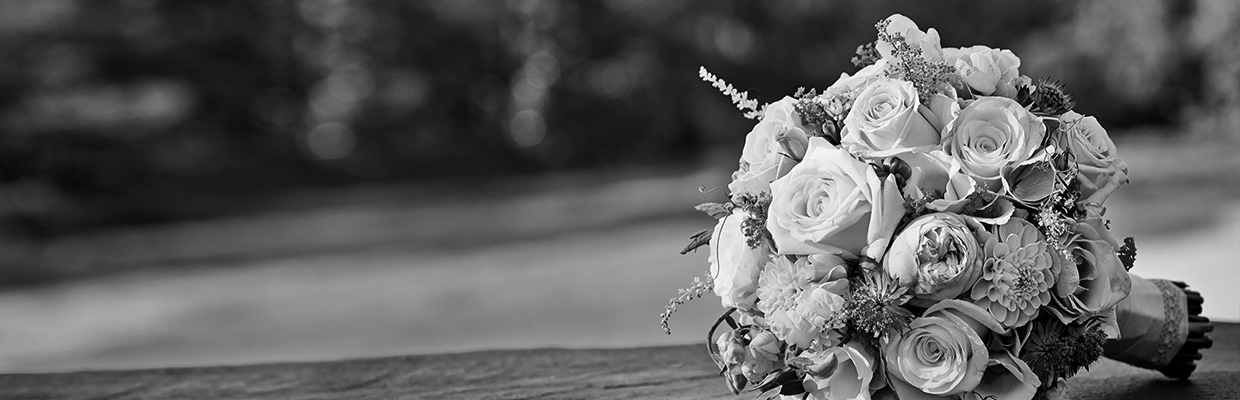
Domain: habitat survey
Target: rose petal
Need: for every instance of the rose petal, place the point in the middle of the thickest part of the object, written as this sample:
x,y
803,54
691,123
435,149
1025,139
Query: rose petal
x,y
960,308
907,392
1032,182
1008,378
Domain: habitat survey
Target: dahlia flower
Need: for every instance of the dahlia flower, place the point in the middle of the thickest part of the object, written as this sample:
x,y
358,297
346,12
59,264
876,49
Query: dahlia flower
x,y
1017,275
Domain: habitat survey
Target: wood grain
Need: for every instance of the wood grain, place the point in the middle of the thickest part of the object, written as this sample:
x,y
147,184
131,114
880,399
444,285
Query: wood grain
x,y
680,372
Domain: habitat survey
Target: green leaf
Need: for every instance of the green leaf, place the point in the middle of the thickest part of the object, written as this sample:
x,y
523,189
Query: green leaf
x,y
715,210
699,239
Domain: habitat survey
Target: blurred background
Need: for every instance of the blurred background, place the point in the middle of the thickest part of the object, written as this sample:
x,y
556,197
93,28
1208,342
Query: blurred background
x,y
220,182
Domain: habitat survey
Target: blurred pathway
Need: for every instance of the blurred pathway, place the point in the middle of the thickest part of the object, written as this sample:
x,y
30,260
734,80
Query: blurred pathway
x,y
603,288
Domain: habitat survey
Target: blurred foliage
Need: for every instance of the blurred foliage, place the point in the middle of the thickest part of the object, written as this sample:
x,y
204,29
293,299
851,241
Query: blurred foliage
x,y
145,111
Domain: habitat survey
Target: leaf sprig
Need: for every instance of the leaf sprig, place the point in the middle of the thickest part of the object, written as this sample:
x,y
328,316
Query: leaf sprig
x,y
740,99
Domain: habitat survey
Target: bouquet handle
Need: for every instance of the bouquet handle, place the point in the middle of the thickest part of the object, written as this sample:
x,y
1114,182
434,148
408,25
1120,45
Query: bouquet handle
x,y
1160,328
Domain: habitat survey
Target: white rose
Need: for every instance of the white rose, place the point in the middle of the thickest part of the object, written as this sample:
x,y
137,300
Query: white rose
x,y
851,83
766,155
935,171
833,203
1094,279
886,119
734,265
927,41
1095,153
943,353
841,372
1089,141
991,137
987,71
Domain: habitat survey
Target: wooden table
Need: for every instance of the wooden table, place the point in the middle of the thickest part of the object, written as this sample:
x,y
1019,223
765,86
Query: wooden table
x,y
682,372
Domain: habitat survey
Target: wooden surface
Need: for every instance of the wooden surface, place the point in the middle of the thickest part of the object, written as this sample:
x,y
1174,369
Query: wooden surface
x,y
682,372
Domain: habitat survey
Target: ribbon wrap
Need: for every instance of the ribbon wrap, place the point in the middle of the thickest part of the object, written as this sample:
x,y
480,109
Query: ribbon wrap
x,y
1153,324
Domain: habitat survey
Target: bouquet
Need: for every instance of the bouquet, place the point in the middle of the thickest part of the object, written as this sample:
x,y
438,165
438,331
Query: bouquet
x,y
930,226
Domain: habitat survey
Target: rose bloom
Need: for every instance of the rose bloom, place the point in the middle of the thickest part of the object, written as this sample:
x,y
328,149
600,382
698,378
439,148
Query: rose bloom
x,y
734,264
838,98
991,137
937,256
841,372
945,353
1007,377
771,148
1095,279
832,203
1094,151
938,172
987,71
886,118
927,41
861,79
1033,182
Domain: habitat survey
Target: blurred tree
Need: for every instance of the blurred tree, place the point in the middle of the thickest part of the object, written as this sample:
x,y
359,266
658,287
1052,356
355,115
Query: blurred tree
x,y
143,111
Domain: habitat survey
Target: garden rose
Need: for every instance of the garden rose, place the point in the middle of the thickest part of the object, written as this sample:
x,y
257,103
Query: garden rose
x,y
1095,279
987,71
886,119
943,353
1095,153
842,372
937,256
935,171
991,137
734,264
771,148
832,203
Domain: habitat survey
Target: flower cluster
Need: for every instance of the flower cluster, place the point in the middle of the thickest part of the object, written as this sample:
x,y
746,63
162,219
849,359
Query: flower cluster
x,y
929,226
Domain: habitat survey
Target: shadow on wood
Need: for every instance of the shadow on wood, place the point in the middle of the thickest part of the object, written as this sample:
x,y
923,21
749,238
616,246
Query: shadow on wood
x,y
682,372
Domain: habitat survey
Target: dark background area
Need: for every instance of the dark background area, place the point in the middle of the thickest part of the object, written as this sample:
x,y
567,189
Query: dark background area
x,y
132,112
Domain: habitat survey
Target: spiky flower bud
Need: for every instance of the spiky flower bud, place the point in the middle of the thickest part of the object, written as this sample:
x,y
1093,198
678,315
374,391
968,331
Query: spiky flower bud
x,y
1045,98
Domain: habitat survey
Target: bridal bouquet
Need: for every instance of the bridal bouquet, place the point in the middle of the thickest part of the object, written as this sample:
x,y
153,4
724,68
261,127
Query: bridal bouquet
x,y
928,227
